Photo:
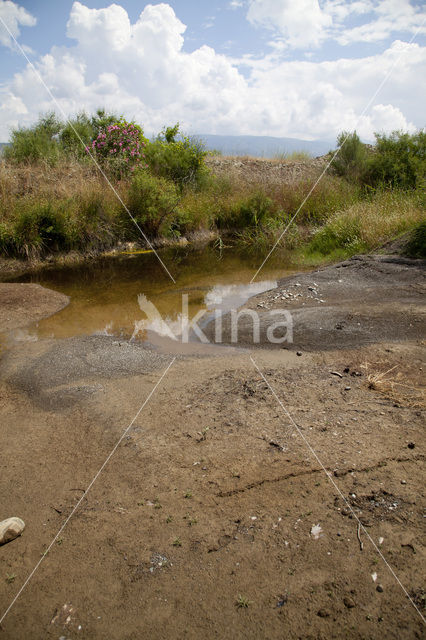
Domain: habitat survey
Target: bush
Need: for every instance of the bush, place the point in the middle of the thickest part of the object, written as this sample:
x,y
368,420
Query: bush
x,y
255,210
75,134
180,160
36,143
40,227
351,160
399,161
152,201
119,148
416,246
341,233
7,245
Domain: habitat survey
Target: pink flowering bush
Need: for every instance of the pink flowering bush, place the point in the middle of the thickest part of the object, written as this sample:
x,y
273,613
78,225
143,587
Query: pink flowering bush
x,y
119,148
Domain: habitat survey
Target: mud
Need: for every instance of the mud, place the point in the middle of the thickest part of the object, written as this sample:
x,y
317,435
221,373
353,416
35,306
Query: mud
x,y
223,513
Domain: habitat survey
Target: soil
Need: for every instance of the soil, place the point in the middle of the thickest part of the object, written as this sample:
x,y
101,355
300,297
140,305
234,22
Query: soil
x,y
21,304
223,513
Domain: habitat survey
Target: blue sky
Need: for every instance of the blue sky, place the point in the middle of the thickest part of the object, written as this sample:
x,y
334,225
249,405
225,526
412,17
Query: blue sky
x,y
303,69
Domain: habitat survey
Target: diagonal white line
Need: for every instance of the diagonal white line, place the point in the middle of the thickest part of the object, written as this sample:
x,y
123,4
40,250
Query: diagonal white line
x,y
90,485
330,478
111,186
367,106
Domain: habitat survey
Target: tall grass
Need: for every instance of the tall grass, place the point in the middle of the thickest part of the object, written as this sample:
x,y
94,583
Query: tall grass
x,y
366,225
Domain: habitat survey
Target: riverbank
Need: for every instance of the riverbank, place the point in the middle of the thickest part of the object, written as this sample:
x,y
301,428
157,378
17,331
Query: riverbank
x,y
68,213
213,513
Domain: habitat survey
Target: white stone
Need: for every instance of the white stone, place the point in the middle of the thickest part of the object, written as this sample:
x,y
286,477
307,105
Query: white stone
x,y
10,529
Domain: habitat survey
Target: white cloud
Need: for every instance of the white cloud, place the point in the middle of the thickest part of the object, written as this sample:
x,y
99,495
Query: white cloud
x,y
13,16
390,16
301,23
142,71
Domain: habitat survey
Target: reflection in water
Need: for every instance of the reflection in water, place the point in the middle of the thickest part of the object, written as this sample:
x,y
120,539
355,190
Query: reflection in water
x,y
104,293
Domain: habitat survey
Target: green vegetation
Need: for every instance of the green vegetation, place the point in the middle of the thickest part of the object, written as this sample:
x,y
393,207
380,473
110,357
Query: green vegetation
x,y
54,195
416,246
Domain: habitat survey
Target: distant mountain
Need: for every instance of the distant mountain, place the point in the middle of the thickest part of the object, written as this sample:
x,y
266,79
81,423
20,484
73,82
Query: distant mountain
x,y
263,146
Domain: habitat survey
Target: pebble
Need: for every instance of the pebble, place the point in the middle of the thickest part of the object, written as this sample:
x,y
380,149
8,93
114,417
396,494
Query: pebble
x,y
403,482
348,602
298,353
379,588
10,529
324,613
347,388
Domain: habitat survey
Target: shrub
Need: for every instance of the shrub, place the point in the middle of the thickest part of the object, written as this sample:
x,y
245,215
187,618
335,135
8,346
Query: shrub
x,y
152,202
399,161
416,246
7,244
35,143
255,210
119,148
351,160
180,160
38,227
341,233
75,134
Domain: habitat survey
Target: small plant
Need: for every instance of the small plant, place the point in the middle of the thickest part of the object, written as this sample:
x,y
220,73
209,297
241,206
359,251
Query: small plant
x,y
176,542
59,541
203,434
169,519
242,602
188,494
10,577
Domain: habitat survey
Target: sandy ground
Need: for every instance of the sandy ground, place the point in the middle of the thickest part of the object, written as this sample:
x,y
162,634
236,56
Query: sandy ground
x,y
21,304
215,497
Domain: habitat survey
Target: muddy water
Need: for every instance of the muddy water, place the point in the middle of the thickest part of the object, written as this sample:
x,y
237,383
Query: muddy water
x,y
104,293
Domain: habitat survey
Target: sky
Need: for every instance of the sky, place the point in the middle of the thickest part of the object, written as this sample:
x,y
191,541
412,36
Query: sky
x,y
289,68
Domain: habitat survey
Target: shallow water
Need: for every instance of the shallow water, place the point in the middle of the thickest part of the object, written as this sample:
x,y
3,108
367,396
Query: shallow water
x,y
104,293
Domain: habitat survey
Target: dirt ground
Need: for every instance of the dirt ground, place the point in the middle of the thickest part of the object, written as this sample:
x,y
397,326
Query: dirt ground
x,y
223,513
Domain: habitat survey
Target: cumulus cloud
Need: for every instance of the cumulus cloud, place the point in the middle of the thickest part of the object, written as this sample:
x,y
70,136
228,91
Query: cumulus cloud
x,y
14,17
390,16
142,71
307,24
302,23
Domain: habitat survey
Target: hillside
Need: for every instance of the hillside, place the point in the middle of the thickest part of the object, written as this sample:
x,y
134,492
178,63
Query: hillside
x,y
264,146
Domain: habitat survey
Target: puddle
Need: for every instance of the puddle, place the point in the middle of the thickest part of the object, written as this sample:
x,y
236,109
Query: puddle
x,y
104,293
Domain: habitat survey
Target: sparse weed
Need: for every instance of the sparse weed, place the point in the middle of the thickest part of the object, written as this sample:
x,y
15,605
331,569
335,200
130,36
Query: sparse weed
x,y
243,602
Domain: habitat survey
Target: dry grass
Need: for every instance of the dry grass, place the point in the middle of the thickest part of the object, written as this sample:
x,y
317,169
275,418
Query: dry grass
x,y
394,384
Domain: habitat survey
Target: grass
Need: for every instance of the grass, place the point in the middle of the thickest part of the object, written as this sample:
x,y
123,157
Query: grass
x,y
367,224
242,602
68,207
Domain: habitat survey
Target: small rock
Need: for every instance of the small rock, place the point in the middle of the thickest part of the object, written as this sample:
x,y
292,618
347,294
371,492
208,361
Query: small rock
x,y
411,445
298,353
349,602
324,613
403,482
379,588
316,531
11,529
347,388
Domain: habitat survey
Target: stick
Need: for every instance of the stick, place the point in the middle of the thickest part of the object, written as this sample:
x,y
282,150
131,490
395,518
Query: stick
x,y
358,533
